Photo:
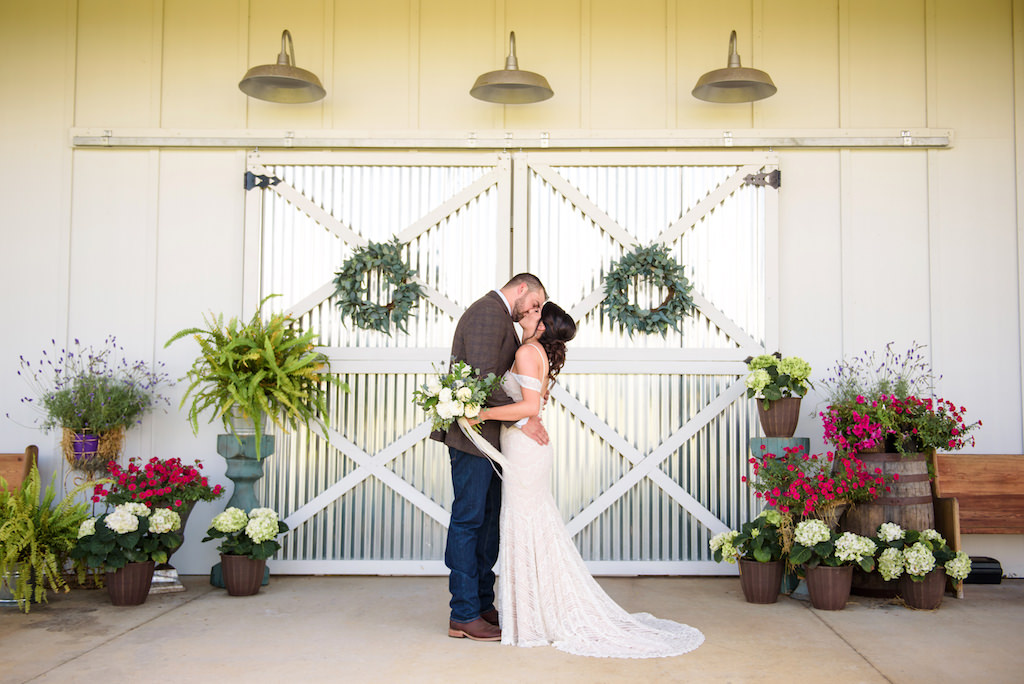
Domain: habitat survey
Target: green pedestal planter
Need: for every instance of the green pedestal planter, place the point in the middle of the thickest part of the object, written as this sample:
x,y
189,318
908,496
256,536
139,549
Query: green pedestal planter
x,y
244,469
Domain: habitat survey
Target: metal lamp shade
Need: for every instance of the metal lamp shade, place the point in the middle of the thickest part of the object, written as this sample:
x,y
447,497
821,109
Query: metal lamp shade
x,y
734,83
511,85
282,82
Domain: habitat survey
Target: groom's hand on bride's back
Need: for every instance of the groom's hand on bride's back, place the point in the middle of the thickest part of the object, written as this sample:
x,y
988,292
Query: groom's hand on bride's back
x,y
534,429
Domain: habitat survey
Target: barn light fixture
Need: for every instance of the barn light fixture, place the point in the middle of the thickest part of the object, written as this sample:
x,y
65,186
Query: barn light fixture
x,y
282,82
511,85
734,83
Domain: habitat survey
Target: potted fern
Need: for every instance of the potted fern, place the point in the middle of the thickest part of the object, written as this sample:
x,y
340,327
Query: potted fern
x,y
36,538
265,369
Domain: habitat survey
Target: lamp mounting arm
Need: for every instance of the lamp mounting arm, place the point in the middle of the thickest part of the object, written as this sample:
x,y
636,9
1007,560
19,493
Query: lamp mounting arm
x,y
287,56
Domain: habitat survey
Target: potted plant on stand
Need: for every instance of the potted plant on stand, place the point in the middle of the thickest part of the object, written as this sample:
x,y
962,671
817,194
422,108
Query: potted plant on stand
x,y
757,547
828,559
93,395
160,483
920,561
127,543
248,541
778,384
36,538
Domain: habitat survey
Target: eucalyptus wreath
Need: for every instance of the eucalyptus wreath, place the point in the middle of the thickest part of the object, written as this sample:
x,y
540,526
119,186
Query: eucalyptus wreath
x,y
655,265
353,296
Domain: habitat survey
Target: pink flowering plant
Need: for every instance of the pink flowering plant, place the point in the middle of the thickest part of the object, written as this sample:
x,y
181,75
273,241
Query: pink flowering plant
x,y
887,404
812,485
158,483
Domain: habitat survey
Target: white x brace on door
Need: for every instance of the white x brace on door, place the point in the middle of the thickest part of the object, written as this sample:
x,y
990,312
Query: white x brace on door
x,y
650,433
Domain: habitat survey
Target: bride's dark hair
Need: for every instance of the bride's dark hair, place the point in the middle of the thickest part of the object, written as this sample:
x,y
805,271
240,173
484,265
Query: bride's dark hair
x,y
559,328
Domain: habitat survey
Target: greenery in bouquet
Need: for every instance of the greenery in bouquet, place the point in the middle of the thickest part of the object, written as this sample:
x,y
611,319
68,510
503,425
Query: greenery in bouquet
x,y
773,377
459,393
86,389
815,544
812,485
131,533
760,540
887,403
253,535
159,483
917,553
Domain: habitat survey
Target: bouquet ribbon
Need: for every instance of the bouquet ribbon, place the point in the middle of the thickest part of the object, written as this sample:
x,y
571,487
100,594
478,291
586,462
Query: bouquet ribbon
x,y
482,444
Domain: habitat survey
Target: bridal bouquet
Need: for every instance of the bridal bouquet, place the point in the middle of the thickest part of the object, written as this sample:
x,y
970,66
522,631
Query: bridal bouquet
x,y
459,393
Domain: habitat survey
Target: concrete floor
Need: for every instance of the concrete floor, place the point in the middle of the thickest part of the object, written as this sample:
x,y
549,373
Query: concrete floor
x,y
394,629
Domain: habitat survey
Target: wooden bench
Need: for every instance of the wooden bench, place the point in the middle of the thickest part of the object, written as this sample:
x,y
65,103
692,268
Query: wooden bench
x,y
14,467
989,489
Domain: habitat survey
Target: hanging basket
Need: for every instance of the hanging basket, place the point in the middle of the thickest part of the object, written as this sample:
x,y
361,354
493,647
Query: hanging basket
x,y
89,452
781,418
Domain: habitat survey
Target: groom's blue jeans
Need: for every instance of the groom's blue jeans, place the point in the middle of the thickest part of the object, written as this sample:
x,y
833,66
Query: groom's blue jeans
x,y
472,548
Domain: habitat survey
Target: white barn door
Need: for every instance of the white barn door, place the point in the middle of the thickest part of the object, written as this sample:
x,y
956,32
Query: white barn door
x,y
650,433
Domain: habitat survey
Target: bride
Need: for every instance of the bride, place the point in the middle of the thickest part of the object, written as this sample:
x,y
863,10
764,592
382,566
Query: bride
x,y
547,596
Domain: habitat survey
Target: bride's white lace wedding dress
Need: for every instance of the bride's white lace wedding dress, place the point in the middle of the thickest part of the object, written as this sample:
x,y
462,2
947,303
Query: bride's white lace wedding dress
x,y
547,595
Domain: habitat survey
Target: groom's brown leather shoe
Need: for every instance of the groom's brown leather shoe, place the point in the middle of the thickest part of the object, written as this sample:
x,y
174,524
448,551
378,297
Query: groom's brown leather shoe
x,y
490,616
477,630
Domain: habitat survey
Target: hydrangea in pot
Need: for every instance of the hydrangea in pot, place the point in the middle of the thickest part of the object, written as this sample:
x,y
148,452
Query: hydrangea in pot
x,y
127,543
758,548
921,561
828,558
247,542
778,384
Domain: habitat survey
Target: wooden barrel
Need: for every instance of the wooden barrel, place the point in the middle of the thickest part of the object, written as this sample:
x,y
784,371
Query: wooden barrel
x,y
908,503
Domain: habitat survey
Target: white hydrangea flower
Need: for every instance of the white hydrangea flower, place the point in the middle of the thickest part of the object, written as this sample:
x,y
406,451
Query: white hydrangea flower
x,y
136,508
164,520
759,379
772,516
463,394
263,513
918,560
932,535
121,521
723,542
959,567
472,410
811,532
261,529
890,564
889,532
851,548
231,520
87,528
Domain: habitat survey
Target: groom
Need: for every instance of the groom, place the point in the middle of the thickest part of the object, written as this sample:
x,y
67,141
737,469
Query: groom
x,y
485,339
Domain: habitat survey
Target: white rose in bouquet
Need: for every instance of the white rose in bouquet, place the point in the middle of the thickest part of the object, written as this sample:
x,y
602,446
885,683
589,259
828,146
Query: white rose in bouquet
x,y
464,394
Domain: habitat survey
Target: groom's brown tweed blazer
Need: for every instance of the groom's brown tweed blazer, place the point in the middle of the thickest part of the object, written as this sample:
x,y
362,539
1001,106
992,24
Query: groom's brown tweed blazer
x,y
485,338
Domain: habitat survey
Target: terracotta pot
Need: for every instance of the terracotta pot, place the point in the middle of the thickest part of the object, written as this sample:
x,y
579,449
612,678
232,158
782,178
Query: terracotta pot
x,y
761,582
829,587
781,418
129,586
926,594
242,575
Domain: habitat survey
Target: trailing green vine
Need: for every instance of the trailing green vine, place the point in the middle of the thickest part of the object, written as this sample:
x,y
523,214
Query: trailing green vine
x,y
655,265
352,290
